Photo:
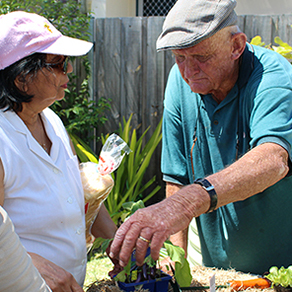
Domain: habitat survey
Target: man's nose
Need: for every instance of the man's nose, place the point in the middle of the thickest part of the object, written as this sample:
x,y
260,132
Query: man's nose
x,y
191,67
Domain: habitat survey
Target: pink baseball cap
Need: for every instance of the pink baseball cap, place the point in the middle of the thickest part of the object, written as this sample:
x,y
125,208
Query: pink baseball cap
x,y
23,34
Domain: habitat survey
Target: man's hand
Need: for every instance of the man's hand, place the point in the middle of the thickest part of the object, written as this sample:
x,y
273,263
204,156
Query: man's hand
x,y
260,168
56,278
154,223
117,268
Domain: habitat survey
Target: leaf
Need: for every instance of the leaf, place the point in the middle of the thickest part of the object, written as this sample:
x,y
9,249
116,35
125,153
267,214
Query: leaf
x,y
280,276
133,206
182,269
152,194
150,261
121,276
282,44
131,157
99,243
88,154
83,151
257,41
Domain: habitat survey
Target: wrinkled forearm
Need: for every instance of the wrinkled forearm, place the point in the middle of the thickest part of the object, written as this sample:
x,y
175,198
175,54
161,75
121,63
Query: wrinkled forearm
x,y
180,238
257,170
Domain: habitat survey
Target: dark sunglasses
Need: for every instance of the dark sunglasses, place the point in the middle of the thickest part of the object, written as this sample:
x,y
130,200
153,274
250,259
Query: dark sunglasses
x,y
62,65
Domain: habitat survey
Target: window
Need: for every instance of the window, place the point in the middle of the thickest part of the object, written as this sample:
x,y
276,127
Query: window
x,y
155,8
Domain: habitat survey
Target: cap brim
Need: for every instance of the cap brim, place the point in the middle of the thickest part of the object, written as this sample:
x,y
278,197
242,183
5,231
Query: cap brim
x,y
67,46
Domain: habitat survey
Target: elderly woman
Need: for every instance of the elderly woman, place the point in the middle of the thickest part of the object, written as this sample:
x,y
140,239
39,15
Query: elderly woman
x,y
40,185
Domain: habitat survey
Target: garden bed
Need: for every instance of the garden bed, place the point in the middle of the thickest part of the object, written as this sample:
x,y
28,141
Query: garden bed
x,y
201,277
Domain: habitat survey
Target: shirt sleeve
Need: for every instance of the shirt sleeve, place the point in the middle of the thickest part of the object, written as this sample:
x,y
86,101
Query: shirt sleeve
x,y
173,160
271,118
268,96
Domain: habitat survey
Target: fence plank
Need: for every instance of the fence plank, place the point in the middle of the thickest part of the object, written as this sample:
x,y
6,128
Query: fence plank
x,y
131,77
285,29
108,70
154,95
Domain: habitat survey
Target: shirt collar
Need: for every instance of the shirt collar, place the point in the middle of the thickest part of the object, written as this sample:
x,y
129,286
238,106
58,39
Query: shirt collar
x,y
246,65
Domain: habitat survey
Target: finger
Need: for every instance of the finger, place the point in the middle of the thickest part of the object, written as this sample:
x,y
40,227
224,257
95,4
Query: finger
x,y
141,250
142,245
125,241
118,240
129,244
157,241
115,271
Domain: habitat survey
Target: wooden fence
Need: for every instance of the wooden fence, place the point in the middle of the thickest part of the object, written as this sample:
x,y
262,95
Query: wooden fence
x,y
128,71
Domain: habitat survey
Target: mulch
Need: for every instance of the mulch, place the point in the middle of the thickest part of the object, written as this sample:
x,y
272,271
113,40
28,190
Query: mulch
x,y
201,277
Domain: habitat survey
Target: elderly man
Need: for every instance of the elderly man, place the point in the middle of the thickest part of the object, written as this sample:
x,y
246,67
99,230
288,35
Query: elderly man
x,y
227,136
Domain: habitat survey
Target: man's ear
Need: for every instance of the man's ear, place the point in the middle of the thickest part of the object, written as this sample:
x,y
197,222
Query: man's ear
x,y
238,45
20,83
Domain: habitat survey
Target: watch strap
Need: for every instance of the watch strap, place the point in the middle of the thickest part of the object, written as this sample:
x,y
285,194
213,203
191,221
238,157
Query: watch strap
x,y
211,191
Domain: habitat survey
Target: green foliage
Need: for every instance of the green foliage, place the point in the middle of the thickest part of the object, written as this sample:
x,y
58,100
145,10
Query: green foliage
x,y
83,151
282,48
128,209
67,17
280,276
96,270
77,112
128,178
182,274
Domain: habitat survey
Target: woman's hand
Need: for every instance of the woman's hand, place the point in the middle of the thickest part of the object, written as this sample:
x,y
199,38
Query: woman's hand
x,y
56,278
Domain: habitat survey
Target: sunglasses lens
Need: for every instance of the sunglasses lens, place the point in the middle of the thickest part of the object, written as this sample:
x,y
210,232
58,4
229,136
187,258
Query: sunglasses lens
x,y
65,64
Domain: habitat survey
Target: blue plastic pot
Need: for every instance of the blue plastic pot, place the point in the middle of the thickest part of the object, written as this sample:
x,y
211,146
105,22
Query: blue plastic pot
x,y
156,285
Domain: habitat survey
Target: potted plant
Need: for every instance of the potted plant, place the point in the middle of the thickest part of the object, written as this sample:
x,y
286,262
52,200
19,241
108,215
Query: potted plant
x,y
145,277
148,276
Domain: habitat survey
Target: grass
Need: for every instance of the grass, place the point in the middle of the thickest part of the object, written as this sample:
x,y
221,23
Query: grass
x,y
97,269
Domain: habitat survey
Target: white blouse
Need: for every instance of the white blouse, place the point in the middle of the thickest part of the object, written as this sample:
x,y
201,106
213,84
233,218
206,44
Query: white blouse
x,y
43,193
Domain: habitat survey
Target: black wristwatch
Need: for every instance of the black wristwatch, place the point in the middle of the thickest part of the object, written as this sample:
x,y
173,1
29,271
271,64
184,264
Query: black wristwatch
x,y
211,191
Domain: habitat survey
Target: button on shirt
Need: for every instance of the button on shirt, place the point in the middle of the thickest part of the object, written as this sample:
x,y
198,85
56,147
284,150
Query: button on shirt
x,y
43,193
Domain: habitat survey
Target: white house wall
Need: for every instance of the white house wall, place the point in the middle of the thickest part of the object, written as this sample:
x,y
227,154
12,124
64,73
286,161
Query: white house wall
x,y
121,8
268,7
112,8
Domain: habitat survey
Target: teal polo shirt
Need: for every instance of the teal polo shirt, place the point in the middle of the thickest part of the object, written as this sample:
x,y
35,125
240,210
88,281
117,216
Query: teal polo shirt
x,y
258,109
